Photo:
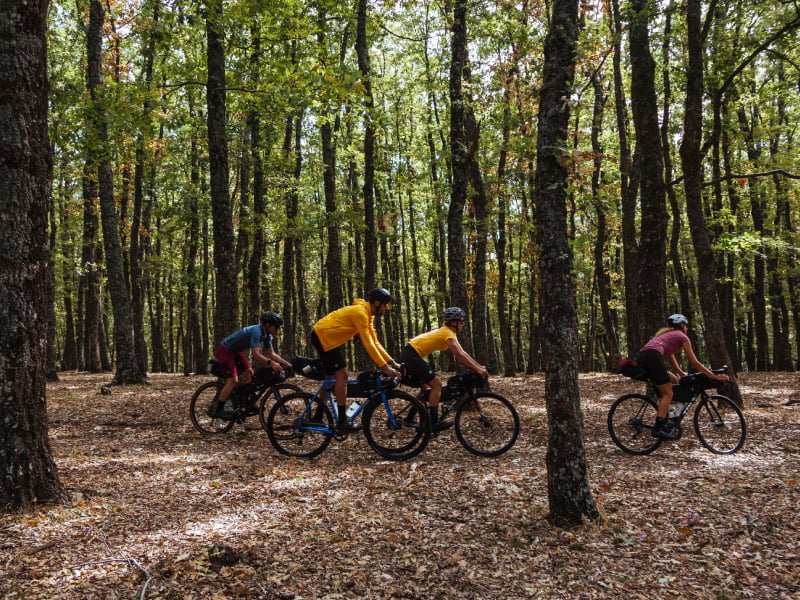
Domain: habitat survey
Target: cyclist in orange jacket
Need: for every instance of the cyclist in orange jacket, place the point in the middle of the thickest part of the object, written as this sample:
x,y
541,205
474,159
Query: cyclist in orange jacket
x,y
332,331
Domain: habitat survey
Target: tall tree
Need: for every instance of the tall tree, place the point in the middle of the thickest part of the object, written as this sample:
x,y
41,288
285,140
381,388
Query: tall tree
x,y
693,183
28,473
569,494
370,239
459,150
226,312
127,366
650,300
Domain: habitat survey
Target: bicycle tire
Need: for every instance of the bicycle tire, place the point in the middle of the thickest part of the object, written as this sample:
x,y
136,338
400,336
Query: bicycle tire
x,y
289,436
630,422
403,440
277,392
487,424
198,410
719,424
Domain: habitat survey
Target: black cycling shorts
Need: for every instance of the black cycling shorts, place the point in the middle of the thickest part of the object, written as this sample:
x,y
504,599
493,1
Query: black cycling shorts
x,y
417,368
654,365
333,359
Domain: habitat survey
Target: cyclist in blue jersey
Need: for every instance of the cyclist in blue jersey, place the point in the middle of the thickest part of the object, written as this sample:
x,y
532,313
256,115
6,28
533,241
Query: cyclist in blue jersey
x,y
230,352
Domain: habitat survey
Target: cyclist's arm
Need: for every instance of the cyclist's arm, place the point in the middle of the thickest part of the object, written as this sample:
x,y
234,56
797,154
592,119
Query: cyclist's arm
x,y
464,358
676,366
277,359
687,347
259,356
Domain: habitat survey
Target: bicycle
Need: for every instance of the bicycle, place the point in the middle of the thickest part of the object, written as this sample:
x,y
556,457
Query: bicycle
x,y
718,422
245,401
303,424
486,423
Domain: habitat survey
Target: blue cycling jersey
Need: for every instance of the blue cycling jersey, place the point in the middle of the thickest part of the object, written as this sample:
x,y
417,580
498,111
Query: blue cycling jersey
x,y
244,339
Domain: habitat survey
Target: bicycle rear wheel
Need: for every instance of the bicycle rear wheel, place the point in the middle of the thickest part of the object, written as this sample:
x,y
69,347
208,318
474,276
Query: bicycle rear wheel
x,y
398,428
630,422
487,424
300,424
205,398
719,425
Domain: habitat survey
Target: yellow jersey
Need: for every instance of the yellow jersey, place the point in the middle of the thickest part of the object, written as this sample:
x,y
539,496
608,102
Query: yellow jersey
x,y
425,343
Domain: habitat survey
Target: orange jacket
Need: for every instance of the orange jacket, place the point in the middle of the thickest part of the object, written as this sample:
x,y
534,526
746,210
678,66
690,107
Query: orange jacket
x,y
340,326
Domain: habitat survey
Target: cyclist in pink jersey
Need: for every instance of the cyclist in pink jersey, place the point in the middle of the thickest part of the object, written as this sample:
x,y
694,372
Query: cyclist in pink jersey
x,y
664,346
420,372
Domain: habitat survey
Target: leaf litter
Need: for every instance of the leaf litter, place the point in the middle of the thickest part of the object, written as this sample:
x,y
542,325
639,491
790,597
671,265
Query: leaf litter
x,y
160,511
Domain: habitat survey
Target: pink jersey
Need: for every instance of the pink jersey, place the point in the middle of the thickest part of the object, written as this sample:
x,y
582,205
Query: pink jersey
x,y
668,344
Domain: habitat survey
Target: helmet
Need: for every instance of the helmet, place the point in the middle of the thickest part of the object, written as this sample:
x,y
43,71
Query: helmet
x,y
675,320
453,313
271,318
380,294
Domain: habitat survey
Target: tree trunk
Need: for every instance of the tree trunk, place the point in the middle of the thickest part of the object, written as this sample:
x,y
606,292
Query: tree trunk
x,y
693,182
456,252
569,494
127,366
226,312
370,239
650,298
28,473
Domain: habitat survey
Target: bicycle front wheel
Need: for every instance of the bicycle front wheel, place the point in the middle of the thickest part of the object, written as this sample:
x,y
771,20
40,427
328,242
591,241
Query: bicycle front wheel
x,y
487,424
719,424
204,400
276,392
300,424
397,428
630,422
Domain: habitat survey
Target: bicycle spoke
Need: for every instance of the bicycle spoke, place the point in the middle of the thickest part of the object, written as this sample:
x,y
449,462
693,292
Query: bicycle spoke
x,y
630,424
719,425
487,425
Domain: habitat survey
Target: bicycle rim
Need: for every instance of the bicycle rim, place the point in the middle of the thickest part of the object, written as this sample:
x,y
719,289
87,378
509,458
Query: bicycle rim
x,y
203,398
630,423
275,392
487,424
299,425
719,425
397,428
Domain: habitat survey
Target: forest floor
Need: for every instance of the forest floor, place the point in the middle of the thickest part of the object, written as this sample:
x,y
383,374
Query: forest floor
x,y
160,511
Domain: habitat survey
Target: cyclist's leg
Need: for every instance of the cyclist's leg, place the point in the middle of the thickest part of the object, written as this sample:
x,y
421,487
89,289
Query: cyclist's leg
x,y
656,368
425,376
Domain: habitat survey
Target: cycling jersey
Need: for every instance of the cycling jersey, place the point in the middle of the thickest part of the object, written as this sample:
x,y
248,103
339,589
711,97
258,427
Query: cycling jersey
x,y
340,326
667,344
437,339
244,339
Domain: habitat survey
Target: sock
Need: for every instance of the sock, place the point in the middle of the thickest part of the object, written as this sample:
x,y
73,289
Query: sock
x,y
434,412
660,422
341,414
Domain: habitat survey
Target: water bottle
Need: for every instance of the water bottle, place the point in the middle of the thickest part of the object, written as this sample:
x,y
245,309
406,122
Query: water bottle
x,y
675,409
307,369
351,410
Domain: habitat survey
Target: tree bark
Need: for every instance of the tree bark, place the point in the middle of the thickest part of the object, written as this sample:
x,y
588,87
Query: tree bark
x,y
693,182
226,313
127,366
569,494
28,473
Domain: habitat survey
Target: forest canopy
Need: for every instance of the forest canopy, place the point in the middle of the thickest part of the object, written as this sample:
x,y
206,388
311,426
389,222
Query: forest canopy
x,y
335,125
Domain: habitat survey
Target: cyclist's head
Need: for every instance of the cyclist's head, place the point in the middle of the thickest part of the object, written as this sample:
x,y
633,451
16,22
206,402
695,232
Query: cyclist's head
x,y
676,320
381,295
271,318
453,313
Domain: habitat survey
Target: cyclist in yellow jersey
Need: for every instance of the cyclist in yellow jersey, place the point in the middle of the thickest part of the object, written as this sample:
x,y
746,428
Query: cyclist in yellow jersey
x,y
332,331
445,338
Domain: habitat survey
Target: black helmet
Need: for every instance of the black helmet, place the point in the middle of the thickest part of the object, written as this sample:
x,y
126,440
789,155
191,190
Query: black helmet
x,y
380,294
271,318
453,313
676,319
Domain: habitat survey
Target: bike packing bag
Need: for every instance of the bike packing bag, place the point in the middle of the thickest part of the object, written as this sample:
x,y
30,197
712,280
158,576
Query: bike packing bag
x,y
698,381
681,393
629,368
308,367
267,375
363,386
